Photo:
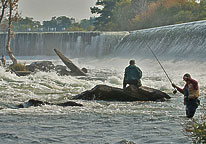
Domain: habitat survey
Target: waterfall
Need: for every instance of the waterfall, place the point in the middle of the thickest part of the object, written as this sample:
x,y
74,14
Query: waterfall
x,y
72,44
174,41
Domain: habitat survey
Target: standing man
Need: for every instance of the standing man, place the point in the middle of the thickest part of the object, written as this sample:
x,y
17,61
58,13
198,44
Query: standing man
x,y
132,75
191,94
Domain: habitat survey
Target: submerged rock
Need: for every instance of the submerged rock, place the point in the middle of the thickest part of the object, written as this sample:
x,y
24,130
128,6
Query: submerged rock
x,y
33,102
131,93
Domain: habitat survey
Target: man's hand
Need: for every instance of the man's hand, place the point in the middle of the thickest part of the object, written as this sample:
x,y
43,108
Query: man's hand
x,y
174,86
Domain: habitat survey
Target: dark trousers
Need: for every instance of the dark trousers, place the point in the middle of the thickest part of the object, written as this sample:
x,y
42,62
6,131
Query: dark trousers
x,y
191,104
132,82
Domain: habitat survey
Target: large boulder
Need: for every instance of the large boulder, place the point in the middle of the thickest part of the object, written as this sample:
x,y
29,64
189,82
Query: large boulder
x,y
131,93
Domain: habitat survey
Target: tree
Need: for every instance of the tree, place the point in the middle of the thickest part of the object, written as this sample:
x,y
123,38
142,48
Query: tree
x,y
117,14
87,24
26,24
64,22
58,23
3,7
104,8
12,5
122,15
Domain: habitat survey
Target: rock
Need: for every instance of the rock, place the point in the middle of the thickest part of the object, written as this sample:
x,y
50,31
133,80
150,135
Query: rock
x,y
62,70
45,66
48,66
131,93
84,70
33,102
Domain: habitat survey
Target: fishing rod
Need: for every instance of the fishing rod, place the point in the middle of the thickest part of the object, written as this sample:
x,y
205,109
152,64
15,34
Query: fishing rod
x,y
175,91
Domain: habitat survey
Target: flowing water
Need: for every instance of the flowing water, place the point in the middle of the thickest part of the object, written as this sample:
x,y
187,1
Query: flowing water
x,y
102,122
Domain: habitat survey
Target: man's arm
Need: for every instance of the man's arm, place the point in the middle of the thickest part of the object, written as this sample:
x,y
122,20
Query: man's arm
x,y
178,88
139,73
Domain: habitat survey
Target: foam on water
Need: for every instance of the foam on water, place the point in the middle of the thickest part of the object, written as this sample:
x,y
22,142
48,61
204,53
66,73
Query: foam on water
x,y
53,88
96,121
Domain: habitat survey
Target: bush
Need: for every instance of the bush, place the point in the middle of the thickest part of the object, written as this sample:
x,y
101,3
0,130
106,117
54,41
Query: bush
x,y
199,131
196,129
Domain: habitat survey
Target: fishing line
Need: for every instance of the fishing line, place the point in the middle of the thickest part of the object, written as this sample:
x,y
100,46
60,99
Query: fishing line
x,y
175,91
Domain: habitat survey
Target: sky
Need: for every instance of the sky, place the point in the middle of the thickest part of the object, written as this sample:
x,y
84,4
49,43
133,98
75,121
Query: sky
x,y
42,10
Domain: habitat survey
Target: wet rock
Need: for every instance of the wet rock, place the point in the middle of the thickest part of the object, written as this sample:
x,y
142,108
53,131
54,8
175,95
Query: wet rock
x,y
45,66
131,93
84,70
33,102
62,70
48,66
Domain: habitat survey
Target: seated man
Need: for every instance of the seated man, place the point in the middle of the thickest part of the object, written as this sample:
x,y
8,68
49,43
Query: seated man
x,y
132,75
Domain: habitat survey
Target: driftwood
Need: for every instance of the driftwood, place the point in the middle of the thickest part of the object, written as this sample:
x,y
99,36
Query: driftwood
x,y
20,73
131,93
33,102
74,69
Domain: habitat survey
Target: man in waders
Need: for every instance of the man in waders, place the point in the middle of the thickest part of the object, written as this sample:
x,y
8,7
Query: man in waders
x,y
132,75
191,94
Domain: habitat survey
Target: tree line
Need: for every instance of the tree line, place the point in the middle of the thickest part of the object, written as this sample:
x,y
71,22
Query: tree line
x,y
61,23
119,15
127,15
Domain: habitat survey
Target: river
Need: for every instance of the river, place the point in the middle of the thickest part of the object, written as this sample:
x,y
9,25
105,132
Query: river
x,y
100,121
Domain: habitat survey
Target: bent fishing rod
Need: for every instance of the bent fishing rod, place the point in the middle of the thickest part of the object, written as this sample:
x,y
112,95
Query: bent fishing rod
x,y
175,91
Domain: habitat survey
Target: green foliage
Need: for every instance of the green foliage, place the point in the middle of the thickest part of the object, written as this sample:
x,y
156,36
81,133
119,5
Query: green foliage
x,y
199,132
120,15
87,24
105,9
196,130
25,24
59,24
76,28
19,67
